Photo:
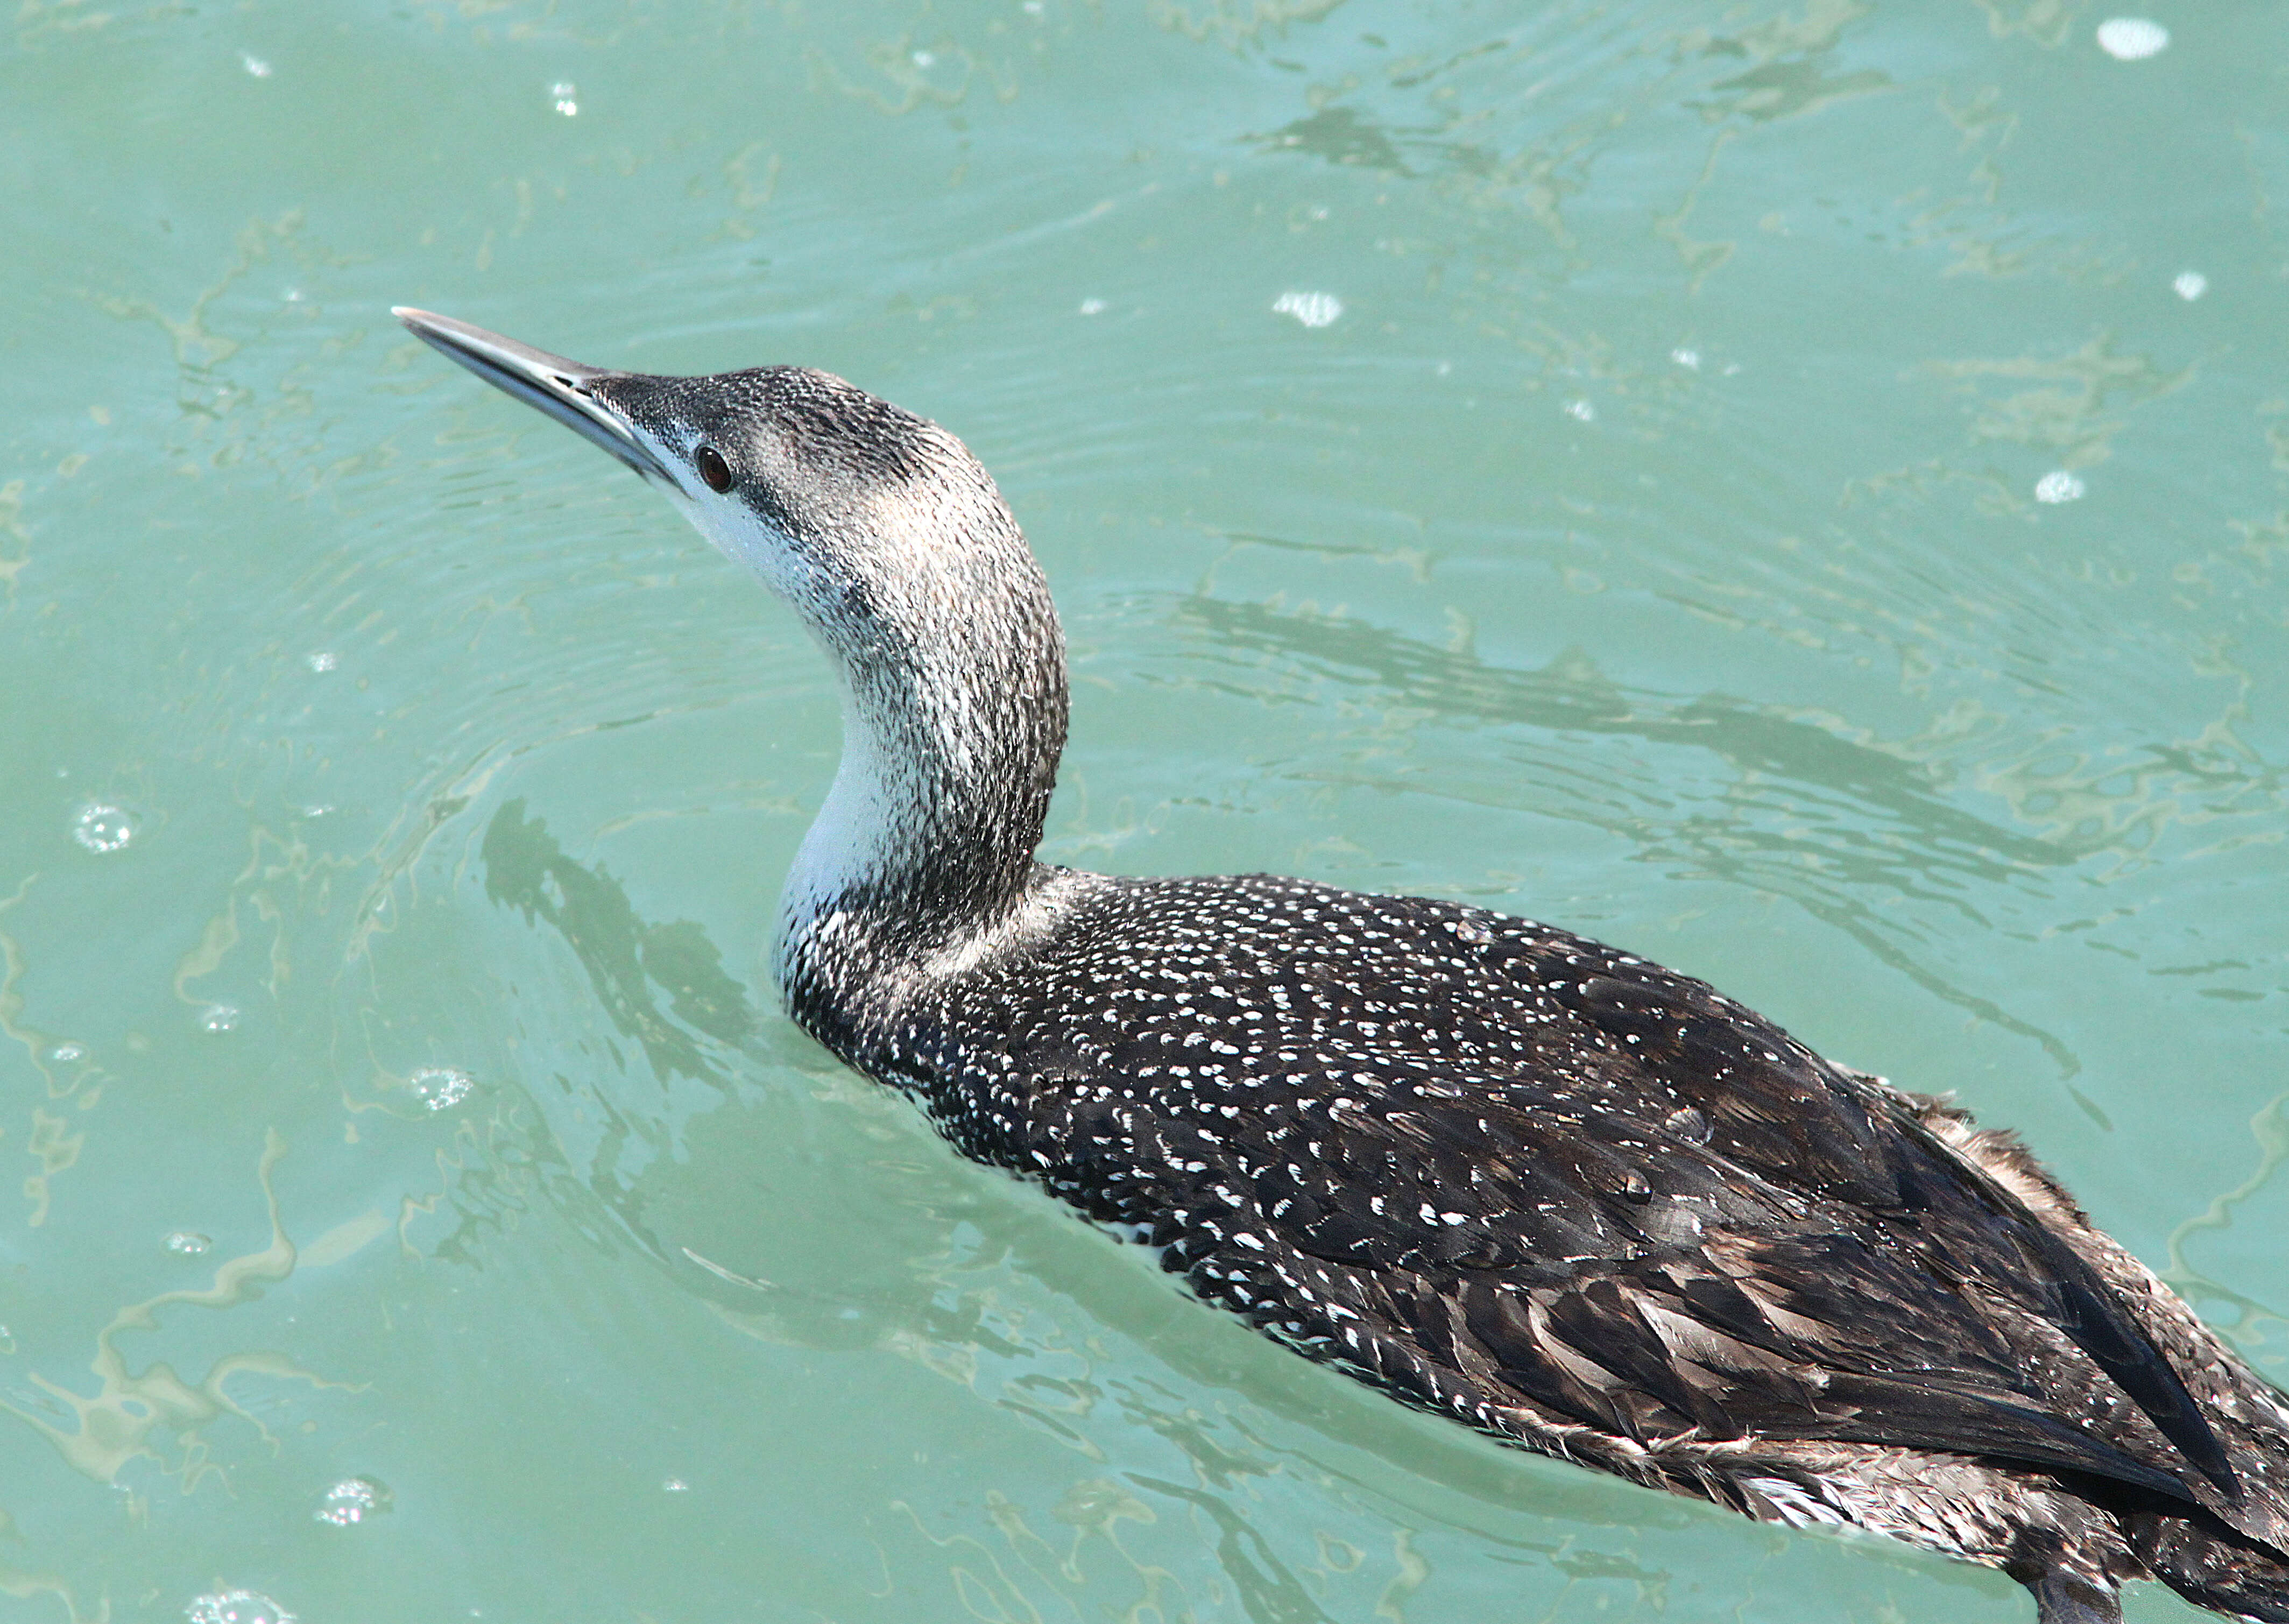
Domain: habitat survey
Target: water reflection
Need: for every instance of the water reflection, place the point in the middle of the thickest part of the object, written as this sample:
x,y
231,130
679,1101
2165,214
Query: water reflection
x,y
1345,135
1572,696
1234,23
2072,405
153,1413
631,964
2252,1321
1832,825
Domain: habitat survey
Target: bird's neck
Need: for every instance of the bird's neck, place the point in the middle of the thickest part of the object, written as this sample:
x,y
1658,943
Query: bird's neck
x,y
921,858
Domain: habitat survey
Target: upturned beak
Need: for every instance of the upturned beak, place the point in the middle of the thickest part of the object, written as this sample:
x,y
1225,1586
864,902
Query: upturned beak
x,y
566,390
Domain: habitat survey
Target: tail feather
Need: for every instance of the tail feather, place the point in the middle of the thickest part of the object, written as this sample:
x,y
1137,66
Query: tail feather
x,y
2064,1598
2210,1565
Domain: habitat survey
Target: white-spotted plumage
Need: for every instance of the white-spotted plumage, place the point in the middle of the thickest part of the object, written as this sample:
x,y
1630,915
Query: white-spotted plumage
x,y
1569,1198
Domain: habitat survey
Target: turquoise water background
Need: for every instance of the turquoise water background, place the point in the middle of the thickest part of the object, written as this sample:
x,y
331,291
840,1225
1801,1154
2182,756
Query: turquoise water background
x,y
1798,488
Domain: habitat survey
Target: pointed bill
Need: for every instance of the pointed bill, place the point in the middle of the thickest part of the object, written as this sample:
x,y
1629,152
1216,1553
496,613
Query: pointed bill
x,y
566,390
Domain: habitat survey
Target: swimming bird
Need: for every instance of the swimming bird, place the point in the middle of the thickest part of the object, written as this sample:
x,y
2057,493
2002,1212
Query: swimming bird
x,y
1582,1202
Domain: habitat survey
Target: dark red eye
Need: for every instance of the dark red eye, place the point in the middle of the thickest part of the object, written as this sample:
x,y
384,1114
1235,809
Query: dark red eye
x,y
711,467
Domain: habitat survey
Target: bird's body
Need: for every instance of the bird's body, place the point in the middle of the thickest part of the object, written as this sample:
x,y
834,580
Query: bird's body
x,y
1591,1206
1580,1202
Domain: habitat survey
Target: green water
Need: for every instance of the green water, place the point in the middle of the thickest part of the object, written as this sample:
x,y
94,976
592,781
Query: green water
x,y
1649,543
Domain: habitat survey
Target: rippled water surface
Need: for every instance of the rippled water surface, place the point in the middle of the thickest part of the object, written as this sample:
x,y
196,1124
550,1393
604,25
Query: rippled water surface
x,y
1800,487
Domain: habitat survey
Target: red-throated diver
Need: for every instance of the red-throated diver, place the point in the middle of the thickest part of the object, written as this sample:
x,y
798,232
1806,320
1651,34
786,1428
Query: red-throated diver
x,y
1584,1204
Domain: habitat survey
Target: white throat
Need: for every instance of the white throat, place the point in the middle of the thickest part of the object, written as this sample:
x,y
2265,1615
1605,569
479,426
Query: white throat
x,y
871,820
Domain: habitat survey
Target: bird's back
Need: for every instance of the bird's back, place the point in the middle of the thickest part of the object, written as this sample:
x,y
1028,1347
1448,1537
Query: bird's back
x,y
1592,1207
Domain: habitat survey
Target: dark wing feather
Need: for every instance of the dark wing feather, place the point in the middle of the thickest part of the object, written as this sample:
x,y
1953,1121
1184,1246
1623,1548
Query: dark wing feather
x,y
1793,1327
1540,1173
1779,1109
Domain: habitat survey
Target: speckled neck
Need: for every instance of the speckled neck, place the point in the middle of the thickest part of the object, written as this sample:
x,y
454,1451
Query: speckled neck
x,y
921,856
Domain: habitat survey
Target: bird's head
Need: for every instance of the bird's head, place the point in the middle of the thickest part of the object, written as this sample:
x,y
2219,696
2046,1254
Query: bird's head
x,y
876,523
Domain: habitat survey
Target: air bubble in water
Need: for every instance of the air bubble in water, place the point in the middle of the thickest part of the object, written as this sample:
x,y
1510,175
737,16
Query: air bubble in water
x,y
66,1053
2132,39
1312,309
189,1243
566,97
237,1607
2058,486
352,1500
440,1087
2190,285
101,827
219,1017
